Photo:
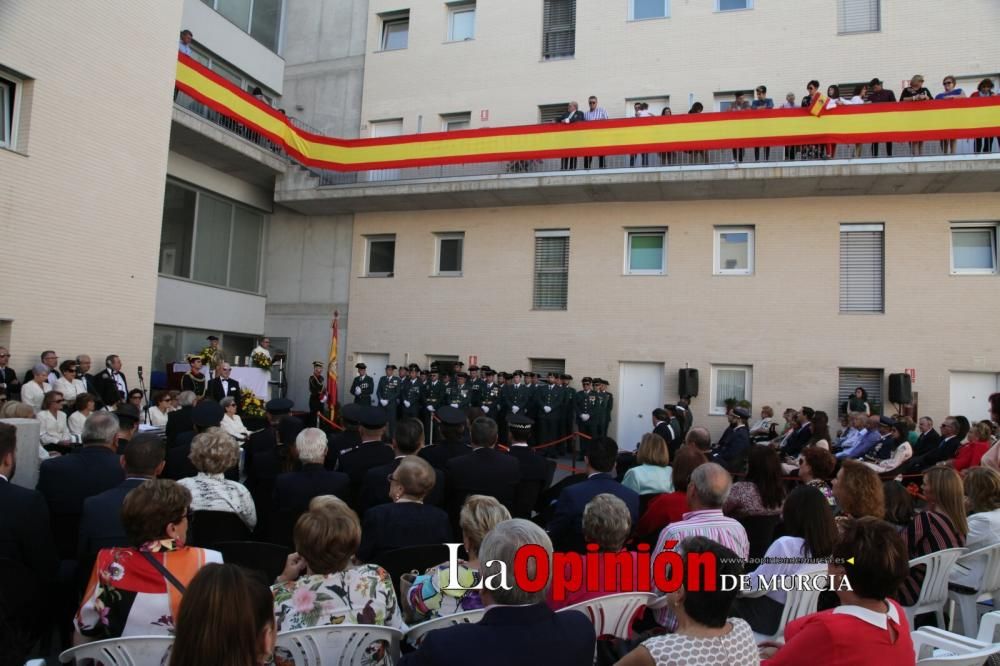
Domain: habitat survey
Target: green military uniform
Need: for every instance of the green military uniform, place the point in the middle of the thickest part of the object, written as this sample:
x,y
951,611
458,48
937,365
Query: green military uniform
x,y
387,394
434,393
460,395
586,414
362,388
548,404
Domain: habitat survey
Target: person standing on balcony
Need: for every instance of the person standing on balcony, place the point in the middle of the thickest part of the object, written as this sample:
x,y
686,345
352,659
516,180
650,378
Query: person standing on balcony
x,y
879,95
916,92
740,103
984,89
594,113
761,101
184,46
572,115
951,89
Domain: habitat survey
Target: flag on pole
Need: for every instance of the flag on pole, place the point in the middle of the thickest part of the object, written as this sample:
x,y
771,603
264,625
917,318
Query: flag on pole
x,y
331,368
818,105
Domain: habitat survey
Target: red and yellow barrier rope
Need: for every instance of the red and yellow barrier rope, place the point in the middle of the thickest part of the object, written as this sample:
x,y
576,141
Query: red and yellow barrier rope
x,y
945,119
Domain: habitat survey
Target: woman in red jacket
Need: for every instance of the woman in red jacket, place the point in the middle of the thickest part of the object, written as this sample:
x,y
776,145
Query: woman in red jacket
x,y
971,453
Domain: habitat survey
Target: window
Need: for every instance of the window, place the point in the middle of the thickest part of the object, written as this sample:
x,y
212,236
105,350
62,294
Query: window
x,y
449,253
171,344
261,19
380,255
656,105
558,29
551,269
395,31
730,382
870,379
974,249
647,9
734,250
862,276
645,252
461,22
550,113
444,362
455,121
209,239
543,366
228,72
858,16
10,91
732,5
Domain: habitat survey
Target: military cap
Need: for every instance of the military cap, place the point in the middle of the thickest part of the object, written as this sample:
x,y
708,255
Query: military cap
x,y
463,375
207,414
886,421
318,364
473,367
451,415
360,366
211,338
372,417
390,366
278,406
519,421
352,412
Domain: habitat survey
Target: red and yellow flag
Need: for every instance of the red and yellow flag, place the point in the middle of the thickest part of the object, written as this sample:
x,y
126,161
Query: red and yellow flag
x,y
331,368
818,104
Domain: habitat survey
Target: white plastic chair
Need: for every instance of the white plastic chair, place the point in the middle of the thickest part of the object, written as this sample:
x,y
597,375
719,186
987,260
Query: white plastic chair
x,y
934,589
342,644
132,651
417,632
989,587
937,647
612,615
798,603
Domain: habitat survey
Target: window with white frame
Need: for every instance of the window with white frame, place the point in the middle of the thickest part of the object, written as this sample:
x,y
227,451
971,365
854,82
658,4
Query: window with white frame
x,y
730,383
655,104
448,261
734,250
645,251
461,21
10,90
455,121
395,30
732,5
974,249
261,19
551,269
380,255
648,9
855,16
862,268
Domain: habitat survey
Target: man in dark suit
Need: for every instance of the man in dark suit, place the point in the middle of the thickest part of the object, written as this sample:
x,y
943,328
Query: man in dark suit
x,y
128,425
485,471
205,415
566,526
536,471
518,627
83,362
68,480
797,440
179,421
51,360
951,439
111,384
346,439
408,441
370,453
294,490
222,386
100,523
450,442
928,439
10,385
734,445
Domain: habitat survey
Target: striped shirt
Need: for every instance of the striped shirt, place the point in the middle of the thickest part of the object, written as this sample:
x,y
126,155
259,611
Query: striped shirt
x,y
929,532
708,523
597,114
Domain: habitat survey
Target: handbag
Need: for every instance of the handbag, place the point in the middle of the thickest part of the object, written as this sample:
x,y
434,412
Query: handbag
x,y
172,579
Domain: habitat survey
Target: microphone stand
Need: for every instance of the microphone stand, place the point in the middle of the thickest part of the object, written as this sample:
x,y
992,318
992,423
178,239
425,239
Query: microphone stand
x,y
145,398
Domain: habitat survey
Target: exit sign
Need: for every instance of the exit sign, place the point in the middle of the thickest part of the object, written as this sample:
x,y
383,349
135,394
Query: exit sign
x,y
912,372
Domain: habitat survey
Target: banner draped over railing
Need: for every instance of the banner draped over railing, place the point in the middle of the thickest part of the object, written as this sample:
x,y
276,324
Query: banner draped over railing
x,y
917,121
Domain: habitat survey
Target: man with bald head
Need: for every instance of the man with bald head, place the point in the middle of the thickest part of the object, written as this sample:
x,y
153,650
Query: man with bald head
x,y
706,493
699,438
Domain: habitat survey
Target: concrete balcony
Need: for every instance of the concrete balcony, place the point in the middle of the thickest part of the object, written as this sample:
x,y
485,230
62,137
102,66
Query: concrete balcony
x,y
715,176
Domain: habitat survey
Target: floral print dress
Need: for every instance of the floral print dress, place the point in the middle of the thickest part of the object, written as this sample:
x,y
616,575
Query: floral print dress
x,y
357,595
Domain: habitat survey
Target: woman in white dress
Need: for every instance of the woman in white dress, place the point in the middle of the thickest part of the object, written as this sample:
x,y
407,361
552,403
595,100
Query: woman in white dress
x,y
84,407
231,422
212,453
55,429
68,384
158,412
33,392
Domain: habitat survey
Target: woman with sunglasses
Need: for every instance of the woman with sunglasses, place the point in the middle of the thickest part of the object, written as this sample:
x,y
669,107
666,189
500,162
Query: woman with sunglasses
x,y
951,90
55,428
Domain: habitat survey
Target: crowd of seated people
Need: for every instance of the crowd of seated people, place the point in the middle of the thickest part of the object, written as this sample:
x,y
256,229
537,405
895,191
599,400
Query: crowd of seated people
x,y
110,541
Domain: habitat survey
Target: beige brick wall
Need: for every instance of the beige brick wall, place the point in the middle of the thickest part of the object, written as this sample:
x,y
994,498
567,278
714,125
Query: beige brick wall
x,y
695,51
81,202
784,320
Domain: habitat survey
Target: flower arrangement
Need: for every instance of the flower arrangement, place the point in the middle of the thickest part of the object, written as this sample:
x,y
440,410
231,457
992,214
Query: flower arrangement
x,y
261,361
252,405
207,355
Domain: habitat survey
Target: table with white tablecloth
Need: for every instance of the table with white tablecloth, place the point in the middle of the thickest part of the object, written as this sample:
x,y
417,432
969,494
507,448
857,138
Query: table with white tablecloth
x,y
254,379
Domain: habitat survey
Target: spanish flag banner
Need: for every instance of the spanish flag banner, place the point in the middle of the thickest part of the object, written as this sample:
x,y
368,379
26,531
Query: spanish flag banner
x,y
940,119
818,105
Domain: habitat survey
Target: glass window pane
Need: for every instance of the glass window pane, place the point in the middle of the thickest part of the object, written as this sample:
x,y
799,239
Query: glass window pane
x,y
646,252
973,249
463,24
381,256
643,9
244,261
164,347
450,255
227,73
176,231
266,21
730,384
6,105
395,35
211,244
237,11
725,5
733,250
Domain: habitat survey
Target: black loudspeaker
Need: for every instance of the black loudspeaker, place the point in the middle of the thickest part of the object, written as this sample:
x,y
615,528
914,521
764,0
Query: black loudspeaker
x,y
687,382
900,391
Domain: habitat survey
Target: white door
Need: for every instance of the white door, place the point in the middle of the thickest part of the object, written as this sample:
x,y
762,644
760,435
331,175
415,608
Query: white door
x,y
640,391
969,393
376,368
383,129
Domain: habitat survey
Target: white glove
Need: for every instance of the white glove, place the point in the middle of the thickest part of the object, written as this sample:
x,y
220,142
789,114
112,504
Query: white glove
x,y
455,405
547,409
406,403
486,410
515,409
585,417
383,402
430,408
357,391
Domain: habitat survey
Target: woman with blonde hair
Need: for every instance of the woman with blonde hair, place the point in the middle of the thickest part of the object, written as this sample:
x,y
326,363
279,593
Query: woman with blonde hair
x,y
970,453
653,474
858,491
212,453
427,597
982,499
